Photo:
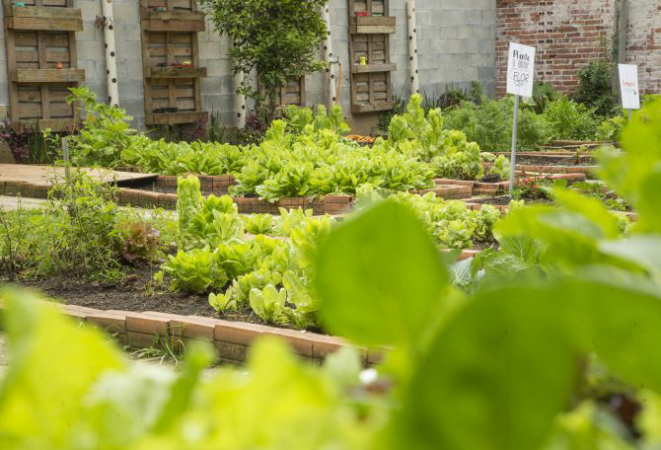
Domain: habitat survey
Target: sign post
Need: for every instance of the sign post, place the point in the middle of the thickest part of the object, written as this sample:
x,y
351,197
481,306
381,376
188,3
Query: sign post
x,y
520,73
629,87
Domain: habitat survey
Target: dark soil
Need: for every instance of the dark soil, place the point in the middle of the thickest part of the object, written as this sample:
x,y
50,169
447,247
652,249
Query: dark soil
x,y
130,294
486,245
504,200
553,161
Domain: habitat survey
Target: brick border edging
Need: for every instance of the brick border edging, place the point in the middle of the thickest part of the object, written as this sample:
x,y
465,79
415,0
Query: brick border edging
x,y
480,188
472,203
230,339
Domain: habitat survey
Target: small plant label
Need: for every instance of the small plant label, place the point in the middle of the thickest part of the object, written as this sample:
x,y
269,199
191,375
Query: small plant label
x,y
520,70
629,86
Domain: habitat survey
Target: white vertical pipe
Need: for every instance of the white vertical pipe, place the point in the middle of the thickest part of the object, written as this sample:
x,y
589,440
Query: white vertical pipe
x,y
111,52
240,101
328,57
413,47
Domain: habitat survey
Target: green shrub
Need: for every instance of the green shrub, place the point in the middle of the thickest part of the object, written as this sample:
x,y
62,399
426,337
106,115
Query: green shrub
x,y
595,90
106,131
570,120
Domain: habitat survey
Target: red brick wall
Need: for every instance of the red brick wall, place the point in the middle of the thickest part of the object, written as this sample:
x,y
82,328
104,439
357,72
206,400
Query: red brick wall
x,y
644,43
568,34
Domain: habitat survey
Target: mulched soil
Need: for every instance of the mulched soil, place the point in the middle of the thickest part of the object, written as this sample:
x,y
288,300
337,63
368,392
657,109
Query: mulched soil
x,y
505,200
130,294
546,161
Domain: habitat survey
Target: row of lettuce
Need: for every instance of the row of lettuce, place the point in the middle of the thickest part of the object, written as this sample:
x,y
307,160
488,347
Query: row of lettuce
x,y
301,155
550,343
305,155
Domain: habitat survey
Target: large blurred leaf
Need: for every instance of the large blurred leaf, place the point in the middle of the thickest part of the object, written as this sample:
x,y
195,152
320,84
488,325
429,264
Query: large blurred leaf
x,y
496,377
53,365
643,251
641,140
649,204
380,278
590,208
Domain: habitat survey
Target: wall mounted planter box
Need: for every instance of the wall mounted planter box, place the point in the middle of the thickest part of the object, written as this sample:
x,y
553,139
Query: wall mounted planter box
x,y
42,63
173,21
175,118
48,75
174,72
43,18
372,25
370,68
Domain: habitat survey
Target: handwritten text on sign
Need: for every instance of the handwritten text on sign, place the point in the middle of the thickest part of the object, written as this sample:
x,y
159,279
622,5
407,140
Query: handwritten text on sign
x,y
520,70
629,86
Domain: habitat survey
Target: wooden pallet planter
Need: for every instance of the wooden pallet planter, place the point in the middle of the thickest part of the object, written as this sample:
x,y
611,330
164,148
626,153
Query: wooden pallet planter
x,y
369,41
170,60
43,18
191,21
42,63
293,93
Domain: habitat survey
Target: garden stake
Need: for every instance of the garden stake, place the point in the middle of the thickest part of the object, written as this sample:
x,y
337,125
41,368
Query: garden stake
x,y
513,158
65,153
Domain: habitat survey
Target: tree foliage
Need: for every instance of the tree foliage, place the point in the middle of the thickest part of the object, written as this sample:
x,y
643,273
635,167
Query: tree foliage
x,y
276,38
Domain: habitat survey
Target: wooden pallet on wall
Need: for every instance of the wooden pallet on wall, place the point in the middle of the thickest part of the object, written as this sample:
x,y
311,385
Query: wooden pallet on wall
x,y
369,41
170,59
42,62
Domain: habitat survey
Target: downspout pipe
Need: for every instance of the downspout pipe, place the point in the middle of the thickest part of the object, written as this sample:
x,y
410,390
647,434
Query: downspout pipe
x,y
111,52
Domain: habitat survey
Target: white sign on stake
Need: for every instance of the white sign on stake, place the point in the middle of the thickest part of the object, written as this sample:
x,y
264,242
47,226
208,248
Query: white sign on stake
x,y
629,86
520,78
520,70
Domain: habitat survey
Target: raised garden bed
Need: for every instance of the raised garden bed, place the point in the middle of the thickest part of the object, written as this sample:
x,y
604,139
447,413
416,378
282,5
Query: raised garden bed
x,y
484,188
139,317
231,339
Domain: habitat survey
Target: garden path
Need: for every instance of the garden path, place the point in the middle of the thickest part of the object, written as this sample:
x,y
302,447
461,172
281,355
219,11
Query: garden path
x,y
45,175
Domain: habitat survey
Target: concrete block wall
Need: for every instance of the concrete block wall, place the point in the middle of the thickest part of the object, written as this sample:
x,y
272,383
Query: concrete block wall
x,y
456,45
456,42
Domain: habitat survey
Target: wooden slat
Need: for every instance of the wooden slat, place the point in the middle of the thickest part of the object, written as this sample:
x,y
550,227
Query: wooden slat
x,y
172,72
27,56
39,12
25,38
45,18
13,87
186,104
367,108
175,118
30,110
48,75
31,95
51,124
174,21
62,3
56,39
367,68
372,25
